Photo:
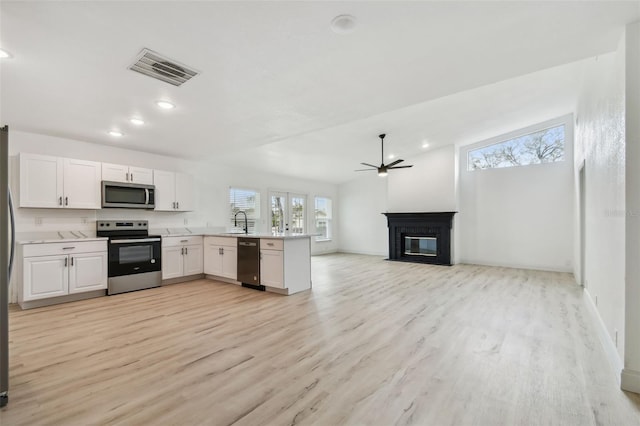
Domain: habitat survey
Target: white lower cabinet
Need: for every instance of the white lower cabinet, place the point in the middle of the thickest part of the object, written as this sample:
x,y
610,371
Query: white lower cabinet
x,y
285,264
87,272
59,269
193,259
181,257
272,268
45,276
221,257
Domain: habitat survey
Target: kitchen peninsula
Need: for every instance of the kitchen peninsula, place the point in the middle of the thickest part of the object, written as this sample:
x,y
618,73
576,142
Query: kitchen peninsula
x,y
284,259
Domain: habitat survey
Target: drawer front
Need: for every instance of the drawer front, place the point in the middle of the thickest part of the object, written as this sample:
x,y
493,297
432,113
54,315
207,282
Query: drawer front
x,y
271,244
181,241
53,249
222,241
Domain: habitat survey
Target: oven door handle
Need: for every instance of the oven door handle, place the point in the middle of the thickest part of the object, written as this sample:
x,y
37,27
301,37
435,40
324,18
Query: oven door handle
x,y
137,240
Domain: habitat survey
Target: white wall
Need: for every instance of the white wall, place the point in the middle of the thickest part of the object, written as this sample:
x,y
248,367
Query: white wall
x,y
600,144
429,186
517,216
362,227
631,372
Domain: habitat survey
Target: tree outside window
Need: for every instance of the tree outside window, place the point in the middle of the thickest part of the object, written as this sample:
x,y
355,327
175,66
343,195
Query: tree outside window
x,y
545,146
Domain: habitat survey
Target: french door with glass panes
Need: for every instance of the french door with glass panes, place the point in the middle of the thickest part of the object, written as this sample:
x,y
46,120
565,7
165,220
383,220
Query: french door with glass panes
x,y
288,212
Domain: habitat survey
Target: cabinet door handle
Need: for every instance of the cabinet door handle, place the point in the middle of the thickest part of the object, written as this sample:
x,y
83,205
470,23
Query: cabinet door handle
x,y
184,241
66,260
174,204
186,250
68,248
177,204
72,261
60,201
131,177
66,201
182,251
127,178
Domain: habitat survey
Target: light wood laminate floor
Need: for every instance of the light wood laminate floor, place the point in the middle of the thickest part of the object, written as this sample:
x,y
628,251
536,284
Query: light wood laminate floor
x,y
374,342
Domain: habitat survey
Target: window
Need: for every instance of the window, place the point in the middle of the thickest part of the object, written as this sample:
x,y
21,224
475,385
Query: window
x,y
323,218
543,146
287,212
244,200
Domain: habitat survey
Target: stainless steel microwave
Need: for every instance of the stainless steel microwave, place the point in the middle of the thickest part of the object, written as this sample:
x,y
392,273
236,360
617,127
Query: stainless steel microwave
x,y
128,195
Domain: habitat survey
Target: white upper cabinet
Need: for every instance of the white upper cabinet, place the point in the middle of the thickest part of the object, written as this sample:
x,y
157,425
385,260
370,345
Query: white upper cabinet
x,y
184,192
140,175
54,182
40,181
81,184
126,174
174,191
165,183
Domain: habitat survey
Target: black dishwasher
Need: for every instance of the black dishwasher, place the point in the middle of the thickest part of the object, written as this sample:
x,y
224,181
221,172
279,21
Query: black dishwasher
x,y
249,263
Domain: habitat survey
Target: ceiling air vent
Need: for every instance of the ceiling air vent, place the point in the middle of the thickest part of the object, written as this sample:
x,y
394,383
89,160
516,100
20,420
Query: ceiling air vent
x,y
162,68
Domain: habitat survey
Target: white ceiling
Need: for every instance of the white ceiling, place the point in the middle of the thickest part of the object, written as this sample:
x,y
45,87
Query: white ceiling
x,y
279,91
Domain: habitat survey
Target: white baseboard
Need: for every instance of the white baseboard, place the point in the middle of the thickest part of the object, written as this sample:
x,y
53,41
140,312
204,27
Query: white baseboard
x,y
605,339
370,253
631,380
517,265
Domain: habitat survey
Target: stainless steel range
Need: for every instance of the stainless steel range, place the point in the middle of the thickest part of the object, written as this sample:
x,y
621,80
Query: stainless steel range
x,y
135,261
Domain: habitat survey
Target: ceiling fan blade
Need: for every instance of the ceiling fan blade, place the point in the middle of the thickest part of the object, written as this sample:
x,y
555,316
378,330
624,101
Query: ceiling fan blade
x,y
394,163
370,165
399,167
366,170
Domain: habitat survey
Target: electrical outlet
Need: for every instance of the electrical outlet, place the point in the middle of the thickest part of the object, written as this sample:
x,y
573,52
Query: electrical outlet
x,y
38,221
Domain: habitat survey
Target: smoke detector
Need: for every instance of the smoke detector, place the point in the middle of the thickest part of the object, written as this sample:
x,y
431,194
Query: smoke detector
x,y
162,68
343,24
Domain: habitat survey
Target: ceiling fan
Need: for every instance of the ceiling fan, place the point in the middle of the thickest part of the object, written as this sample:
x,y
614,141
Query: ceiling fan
x,y
382,169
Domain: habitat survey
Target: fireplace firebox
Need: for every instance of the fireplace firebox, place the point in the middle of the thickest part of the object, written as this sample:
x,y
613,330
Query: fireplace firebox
x,y
420,237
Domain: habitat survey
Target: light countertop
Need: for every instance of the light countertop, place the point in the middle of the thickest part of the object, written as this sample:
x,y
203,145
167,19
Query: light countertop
x,y
57,237
217,232
78,236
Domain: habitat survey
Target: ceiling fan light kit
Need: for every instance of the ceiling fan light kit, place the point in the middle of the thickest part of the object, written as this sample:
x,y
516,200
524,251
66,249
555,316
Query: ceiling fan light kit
x,y
383,168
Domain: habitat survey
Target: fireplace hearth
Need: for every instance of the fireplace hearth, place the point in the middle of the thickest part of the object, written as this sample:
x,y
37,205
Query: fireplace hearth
x,y
420,237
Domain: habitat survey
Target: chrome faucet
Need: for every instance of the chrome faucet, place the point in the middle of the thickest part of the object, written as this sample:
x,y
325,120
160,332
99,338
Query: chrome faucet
x,y
246,223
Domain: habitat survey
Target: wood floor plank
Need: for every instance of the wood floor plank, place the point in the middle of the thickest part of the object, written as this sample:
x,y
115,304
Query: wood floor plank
x,y
374,342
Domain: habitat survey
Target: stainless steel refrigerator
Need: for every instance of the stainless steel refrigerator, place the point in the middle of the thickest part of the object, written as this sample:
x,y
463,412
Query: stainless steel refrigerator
x,y
7,245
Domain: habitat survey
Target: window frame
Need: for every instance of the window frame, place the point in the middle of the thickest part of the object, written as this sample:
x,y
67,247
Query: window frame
x,y
257,203
566,120
321,238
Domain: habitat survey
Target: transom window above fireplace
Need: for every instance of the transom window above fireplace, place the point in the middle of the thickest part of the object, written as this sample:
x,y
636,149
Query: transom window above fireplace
x,y
420,246
542,146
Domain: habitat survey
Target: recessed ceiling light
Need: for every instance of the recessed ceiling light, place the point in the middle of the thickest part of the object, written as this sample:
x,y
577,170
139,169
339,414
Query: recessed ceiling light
x,y
165,104
391,156
137,121
425,144
116,133
343,24
4,54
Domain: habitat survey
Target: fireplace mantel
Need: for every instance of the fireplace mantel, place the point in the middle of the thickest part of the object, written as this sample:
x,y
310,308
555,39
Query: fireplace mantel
x,y
413,226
